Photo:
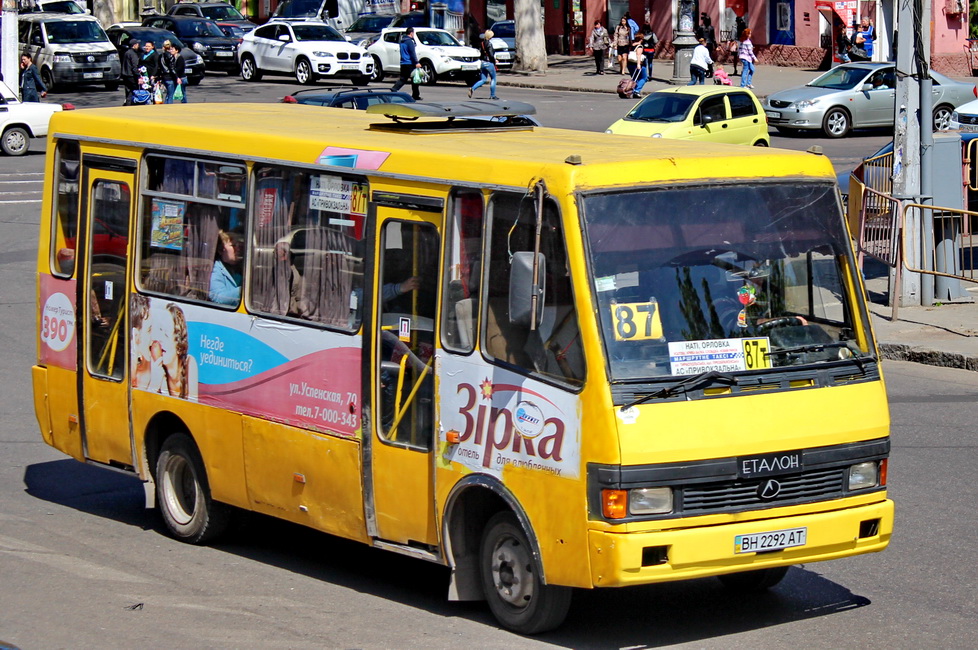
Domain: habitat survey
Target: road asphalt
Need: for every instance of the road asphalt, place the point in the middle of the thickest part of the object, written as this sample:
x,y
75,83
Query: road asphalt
x,y
945,334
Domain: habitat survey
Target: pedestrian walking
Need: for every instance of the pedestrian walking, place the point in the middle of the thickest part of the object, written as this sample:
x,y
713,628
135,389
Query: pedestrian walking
x,y
180,72
636,66
623,43
649,43
30,81
409,63
599,43
130,69
747,59
699,64
488,66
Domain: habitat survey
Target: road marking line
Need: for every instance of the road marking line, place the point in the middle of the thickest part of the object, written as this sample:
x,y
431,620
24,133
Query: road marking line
x,y
2,202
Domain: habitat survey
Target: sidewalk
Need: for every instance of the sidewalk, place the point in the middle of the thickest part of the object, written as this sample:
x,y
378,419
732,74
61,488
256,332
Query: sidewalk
x,y
943,335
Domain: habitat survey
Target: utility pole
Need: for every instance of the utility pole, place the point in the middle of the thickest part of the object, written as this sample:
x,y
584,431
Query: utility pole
x,y
911,25
8,48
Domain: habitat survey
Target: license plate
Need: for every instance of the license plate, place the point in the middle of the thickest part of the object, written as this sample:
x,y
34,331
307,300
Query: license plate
x,y
470,66
969,128
349,66
774,114
775,540
219,53
91,75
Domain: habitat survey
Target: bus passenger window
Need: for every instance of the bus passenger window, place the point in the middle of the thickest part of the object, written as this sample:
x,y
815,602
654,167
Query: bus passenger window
x,y
66,209
554,348
307,246
463,271
193,230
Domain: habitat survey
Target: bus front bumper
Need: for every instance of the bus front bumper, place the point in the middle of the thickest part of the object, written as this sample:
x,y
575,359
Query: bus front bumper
x,y
622,559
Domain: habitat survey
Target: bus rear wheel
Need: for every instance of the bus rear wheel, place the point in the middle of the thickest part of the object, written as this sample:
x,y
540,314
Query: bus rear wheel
x,y
183,494
513,582
753,581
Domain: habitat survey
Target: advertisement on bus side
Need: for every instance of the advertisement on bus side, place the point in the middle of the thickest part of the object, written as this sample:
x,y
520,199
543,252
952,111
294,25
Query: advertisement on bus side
x,y
269,369
504,419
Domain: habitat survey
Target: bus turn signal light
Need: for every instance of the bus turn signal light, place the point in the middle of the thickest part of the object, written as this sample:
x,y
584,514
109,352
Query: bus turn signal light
x,y
883,464
453,437
614,503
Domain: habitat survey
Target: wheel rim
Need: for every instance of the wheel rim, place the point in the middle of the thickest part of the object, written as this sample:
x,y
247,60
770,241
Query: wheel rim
x,y
837,122
302,72
512,573
378,70
430,71
942,119
247,69
16,141
180,489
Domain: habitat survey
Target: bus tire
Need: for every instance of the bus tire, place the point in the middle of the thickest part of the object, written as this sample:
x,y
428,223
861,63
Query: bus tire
x,y
183,493
753,581
512,580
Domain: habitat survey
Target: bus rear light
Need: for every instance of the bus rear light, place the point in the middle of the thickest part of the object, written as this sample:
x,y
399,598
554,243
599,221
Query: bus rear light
x,y
614,503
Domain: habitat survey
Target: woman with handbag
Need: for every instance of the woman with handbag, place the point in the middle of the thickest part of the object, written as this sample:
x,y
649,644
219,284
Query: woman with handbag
x,y
488,68
623,40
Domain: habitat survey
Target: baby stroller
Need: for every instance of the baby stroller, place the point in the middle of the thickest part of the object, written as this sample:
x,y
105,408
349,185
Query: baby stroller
x,y
140,97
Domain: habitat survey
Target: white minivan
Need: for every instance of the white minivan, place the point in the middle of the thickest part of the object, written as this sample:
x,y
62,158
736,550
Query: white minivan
x,y
69,49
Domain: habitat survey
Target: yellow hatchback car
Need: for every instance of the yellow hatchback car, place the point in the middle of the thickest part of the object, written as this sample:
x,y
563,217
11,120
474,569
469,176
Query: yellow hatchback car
x,y
710,113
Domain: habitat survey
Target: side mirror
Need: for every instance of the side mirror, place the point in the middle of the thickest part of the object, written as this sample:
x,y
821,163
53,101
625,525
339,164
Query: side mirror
x,y
284,38
867,87
522,290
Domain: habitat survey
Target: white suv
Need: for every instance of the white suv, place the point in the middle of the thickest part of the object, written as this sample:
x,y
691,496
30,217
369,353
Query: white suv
x,y
441,55
309,50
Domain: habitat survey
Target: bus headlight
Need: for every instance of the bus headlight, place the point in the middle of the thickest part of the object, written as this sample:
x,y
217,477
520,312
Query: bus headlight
x,y
650,501
864,475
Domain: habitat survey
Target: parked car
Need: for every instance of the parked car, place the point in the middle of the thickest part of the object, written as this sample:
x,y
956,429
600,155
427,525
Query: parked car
x,y
219,12
504,43
346,97
309,50
702,113
69,49
233,31
411,19
856,95
325,11
120,37
56,7
442,56
21,121
204,37
366,26
965,118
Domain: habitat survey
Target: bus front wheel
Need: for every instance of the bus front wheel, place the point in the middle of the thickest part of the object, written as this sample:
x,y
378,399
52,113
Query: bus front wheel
x,y
183,494
753,581
513,582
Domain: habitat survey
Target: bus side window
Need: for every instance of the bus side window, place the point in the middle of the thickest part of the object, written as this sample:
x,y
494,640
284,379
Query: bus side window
x,y
65,232
193,247
554,348
306,246
463,271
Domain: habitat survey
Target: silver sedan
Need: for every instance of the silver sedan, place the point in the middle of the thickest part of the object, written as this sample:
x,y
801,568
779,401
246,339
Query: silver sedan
x,y
856,95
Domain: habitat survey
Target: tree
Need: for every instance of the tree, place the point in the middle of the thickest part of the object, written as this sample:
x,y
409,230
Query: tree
x,y
531,49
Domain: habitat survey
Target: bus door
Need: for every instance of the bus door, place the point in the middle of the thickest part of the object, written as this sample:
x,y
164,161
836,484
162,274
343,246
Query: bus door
x,y
106,210
399,464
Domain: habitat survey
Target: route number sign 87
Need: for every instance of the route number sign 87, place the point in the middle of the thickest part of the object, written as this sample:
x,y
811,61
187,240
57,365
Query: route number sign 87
x,y
636,321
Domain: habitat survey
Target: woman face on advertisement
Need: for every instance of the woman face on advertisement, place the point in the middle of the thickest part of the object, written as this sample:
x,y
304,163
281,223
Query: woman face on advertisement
x,y
163,329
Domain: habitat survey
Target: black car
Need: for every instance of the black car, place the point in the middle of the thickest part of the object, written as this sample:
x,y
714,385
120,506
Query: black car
x,y
219,12
120,37
204,37
346,97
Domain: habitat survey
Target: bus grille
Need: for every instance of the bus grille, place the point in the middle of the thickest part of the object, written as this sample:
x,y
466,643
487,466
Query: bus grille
x,y
815,485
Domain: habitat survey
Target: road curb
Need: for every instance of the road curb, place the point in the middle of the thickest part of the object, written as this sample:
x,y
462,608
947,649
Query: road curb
x,y
928,356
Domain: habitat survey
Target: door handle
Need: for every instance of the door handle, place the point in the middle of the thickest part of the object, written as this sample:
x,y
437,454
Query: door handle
x,y
724,126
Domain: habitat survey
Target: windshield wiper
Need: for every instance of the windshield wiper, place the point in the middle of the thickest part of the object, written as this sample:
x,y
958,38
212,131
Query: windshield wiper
x,y
693,381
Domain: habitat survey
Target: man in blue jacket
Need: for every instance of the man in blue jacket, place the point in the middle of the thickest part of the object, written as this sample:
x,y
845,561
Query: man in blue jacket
x,y
409,62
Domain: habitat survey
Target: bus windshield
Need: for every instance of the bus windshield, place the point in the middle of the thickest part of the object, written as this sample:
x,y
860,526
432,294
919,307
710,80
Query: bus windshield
x,y
711,265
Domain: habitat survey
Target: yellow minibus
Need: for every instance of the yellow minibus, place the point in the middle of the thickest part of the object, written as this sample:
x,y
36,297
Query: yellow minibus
x,y
547,359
